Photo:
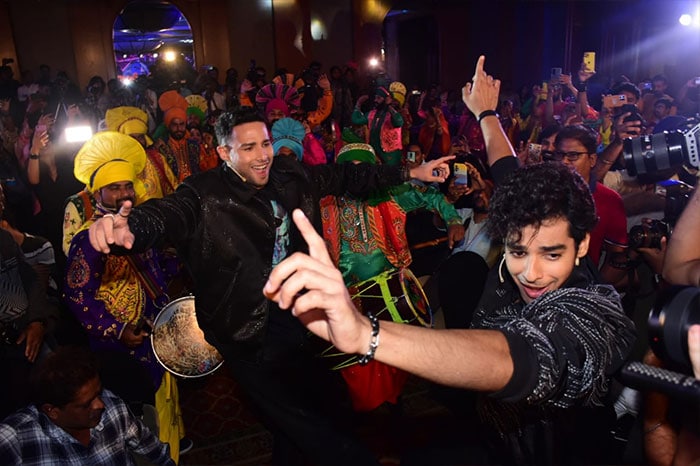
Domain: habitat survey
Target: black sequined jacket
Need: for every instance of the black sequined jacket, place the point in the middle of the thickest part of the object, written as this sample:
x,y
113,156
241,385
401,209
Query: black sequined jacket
x,y
224,231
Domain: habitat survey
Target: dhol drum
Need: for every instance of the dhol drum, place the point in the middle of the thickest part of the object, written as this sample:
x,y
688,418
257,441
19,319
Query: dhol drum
x,y
179,343
395,295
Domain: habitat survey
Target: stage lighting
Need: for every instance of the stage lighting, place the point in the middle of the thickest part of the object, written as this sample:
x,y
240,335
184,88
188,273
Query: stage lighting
x,y
685,19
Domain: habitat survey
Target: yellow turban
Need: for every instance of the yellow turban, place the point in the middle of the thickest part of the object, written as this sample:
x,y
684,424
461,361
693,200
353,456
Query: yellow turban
x,y
398,92
109,157
128,120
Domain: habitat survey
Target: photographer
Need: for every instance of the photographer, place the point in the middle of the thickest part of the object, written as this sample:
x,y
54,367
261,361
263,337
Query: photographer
x,y
628,123
671,429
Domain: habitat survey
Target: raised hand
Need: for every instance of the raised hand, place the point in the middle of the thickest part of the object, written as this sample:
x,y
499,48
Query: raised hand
x,y
40,140
584,74
246,86
313,288
482,93
433,171
112,229
323,82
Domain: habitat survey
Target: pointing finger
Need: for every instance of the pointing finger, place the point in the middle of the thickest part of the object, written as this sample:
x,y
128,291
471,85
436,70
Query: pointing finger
x,y
479,66
317,247
125,209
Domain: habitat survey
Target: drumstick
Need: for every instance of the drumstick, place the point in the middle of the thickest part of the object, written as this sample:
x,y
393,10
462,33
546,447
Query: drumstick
x,y
427,244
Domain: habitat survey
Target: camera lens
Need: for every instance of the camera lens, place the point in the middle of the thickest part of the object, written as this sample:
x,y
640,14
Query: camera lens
x,y
651,153
647,236
638,237
675,310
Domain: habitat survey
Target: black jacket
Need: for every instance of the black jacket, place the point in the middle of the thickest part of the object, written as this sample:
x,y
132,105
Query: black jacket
x,y
224,231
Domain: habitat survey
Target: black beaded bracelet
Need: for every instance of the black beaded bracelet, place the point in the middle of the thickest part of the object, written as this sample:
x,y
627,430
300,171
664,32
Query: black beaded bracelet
x,y
373,342
486,113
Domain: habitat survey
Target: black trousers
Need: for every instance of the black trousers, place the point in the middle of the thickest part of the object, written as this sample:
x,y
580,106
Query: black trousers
x,y
461,281
303,403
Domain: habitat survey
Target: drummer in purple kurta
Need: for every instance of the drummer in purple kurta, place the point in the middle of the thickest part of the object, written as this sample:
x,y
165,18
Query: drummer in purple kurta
x,y
112,296
106,295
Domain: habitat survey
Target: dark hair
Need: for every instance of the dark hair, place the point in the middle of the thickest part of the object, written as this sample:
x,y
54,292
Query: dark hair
x,y
536,193
547,131
228,120
628,87
579,133
659,77
96,80
665,102
59,377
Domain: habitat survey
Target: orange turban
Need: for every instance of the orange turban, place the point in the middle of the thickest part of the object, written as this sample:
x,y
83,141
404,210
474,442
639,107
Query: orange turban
x,y
173,106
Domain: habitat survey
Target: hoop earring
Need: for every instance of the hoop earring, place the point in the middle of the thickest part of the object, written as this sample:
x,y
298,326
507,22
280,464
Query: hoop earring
x,y
577,262
500,269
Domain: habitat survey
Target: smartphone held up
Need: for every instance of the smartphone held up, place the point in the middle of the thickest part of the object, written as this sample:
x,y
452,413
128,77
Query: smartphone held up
x,y
461,174
589,61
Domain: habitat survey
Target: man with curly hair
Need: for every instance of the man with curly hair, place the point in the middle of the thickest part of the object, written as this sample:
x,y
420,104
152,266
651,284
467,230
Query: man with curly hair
x,y
545,338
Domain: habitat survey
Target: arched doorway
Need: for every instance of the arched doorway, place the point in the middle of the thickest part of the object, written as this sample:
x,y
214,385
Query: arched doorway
x,y
147,33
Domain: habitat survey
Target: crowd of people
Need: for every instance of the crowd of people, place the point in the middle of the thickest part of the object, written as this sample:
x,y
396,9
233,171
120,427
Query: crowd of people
x,y
302,192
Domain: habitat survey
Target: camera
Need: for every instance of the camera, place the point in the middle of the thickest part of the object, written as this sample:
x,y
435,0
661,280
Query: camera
x,y
633,111
650,153
648,235
674,311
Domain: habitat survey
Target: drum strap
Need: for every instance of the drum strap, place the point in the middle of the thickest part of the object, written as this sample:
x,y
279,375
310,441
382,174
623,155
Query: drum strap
x,y
87,204
148,281
389,300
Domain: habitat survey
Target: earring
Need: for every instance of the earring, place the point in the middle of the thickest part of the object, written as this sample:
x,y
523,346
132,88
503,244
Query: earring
x,y
500,269
577,262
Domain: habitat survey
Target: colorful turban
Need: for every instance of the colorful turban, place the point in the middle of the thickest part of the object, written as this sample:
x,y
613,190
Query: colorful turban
x,y
109,157
173,106
198,101
277,96
196,112
356,151
398,92
288,132
127,120
196,105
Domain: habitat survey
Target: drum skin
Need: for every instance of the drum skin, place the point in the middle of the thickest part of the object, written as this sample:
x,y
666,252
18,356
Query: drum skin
x,y
179,343
394,295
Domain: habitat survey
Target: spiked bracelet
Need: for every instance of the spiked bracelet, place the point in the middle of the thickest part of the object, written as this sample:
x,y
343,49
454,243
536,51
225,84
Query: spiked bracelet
x,y
373,342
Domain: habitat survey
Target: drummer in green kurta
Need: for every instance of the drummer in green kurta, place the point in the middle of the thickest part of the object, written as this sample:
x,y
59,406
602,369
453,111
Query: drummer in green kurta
x,y
385,125
366,237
